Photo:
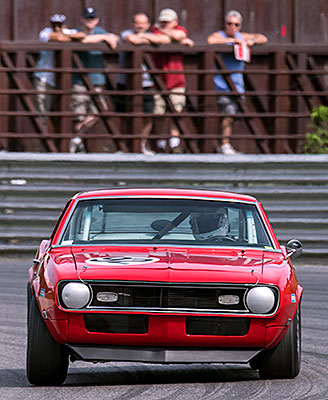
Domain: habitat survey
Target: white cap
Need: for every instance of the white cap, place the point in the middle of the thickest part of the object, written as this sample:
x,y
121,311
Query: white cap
x,y
57,18
167,15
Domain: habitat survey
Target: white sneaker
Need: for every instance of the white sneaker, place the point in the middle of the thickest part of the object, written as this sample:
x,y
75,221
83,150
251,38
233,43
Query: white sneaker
x,y
174,142
146,151
161,144
76,145
227,149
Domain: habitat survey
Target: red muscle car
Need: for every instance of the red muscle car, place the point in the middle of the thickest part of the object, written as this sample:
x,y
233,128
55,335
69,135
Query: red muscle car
x,y
163,276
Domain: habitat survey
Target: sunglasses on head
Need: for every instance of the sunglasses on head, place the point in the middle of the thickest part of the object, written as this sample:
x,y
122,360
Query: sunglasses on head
x,y
233,23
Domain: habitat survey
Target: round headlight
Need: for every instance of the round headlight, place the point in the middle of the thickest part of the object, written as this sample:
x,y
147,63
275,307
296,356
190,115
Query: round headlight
x,y
260,300
75,295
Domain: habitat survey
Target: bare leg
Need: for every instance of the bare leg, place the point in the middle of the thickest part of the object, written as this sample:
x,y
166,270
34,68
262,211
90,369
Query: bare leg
x,y
175,138
144,134
88,122
226,130
77,145
146,130
226,147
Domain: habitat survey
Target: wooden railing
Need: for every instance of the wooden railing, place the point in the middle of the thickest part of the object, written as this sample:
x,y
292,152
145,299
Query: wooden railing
x,y
283,84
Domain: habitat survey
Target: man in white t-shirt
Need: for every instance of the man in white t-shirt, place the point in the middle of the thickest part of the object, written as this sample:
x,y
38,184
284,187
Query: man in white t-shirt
x,y
140,34
46,80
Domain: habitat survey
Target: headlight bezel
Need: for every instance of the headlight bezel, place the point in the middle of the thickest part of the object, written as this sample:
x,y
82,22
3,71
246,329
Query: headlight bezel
x,y
78,284
255,310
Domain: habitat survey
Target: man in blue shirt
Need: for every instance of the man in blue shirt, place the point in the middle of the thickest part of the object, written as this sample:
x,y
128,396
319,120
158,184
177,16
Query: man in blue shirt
x,y
231,35
82,102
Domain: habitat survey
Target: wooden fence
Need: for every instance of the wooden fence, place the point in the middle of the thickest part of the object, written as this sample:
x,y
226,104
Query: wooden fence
x,y
283,84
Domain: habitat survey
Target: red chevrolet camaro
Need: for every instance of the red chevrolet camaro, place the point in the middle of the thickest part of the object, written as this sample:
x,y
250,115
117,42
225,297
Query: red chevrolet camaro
x,y
163,276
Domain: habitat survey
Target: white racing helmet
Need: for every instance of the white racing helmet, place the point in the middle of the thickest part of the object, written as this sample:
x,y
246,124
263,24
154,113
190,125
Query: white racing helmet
x,y
209,224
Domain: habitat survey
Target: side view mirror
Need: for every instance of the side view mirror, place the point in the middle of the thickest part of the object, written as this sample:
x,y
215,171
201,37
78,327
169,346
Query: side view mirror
x,y
294,248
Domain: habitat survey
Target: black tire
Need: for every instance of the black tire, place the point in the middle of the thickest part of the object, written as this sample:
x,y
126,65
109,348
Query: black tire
x,y
46,360
29,298
283,361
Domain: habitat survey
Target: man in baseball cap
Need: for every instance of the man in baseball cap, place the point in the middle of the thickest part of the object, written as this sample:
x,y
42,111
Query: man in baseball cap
x,y
89,13
57,18
45,81
168,30
82,103
167,15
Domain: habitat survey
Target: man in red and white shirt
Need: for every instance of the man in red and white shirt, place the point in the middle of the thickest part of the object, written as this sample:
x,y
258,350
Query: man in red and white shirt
x,y
166,31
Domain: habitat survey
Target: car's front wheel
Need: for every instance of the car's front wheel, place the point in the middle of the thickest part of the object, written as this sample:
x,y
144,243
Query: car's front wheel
x,y
283,361
46,360
29,298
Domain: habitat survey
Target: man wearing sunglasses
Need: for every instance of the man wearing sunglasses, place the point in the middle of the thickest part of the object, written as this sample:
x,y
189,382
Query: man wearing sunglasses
x,y
231,35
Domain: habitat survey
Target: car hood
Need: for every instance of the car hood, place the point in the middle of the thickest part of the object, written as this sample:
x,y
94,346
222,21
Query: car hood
x,y
219,265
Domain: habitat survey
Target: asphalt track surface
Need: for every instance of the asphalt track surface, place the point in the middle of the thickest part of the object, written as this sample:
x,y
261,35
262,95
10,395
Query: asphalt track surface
x,y
129,381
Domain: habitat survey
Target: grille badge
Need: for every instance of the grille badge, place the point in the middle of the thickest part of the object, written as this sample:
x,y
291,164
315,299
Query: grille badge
x,y
107,297
228,299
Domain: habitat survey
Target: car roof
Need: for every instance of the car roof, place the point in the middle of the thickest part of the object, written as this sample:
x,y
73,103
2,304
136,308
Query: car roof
x,y
165,192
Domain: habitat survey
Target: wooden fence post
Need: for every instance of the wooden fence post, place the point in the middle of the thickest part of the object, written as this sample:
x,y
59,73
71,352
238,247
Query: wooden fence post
x,y
207,104
280,103
65,61
4,105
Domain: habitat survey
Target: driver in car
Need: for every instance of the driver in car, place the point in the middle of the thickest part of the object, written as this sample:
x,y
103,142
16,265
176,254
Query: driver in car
x,y
209,225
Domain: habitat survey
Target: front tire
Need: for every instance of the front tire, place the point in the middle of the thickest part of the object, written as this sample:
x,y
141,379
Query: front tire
x,y
46,360
283,361
29,298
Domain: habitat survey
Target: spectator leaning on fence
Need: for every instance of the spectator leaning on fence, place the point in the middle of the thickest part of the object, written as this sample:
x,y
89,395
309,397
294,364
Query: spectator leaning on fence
x,y
138,35
167,31
82,103
46,80
231,35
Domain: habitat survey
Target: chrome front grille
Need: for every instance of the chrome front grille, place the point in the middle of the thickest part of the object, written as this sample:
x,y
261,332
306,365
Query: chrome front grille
x,y
165,297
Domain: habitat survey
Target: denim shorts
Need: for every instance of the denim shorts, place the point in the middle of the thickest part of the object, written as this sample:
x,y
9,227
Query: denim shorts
x,y
228,105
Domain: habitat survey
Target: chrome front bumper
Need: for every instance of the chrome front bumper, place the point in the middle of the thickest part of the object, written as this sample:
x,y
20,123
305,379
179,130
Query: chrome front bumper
x,y
161,355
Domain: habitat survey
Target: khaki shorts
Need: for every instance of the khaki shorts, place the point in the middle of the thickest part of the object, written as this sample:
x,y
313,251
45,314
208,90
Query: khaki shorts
x,y
82,102
177,98
43,101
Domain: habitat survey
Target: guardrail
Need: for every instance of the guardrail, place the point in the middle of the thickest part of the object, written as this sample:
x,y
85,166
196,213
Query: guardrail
x,y
292,188
283,83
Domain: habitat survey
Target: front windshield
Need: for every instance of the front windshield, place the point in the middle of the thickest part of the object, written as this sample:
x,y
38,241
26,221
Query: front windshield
x,y
165,221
